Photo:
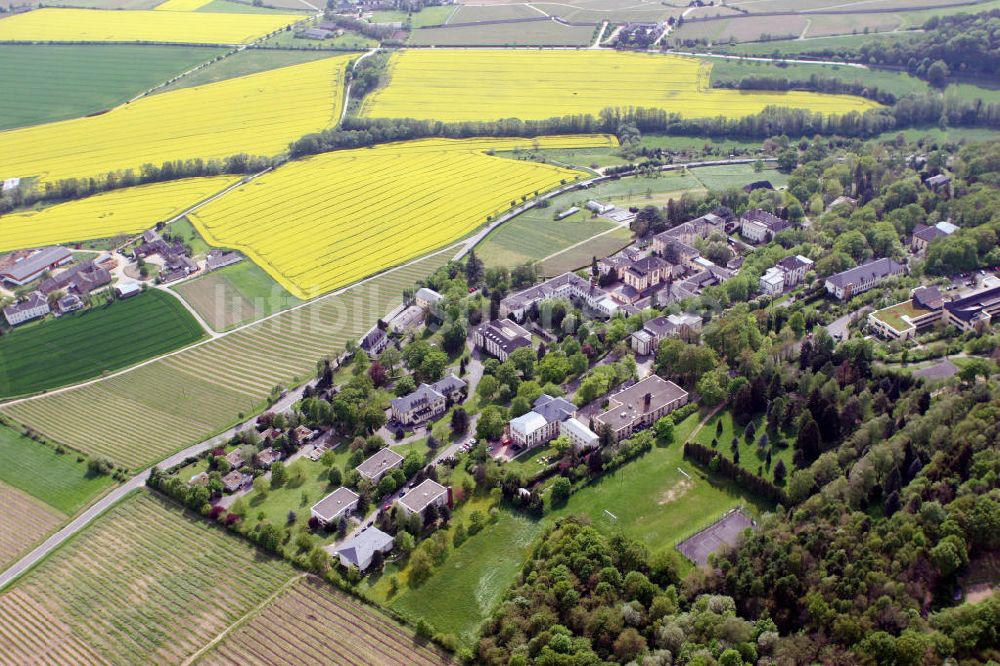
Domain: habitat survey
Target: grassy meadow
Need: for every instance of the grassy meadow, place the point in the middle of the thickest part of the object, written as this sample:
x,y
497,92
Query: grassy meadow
x,y
247,61
85,344
58,479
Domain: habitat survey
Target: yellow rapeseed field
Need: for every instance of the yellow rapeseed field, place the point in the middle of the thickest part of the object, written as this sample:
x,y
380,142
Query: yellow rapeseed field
x,y
181,5
329,220
258,114
456,85
91,25
127,211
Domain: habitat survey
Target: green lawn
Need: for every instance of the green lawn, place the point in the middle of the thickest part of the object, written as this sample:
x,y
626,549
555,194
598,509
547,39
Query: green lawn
x,y
44,83
426,16
716,144
535,234
57,479
247,61
898,83
799,46
230,7
235,295
936,134
586,158
650,500
189,236
750,457
85,344
736,175
349,40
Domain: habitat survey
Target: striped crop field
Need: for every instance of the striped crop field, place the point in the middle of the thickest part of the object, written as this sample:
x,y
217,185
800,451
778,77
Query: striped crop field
x,y
185,398
105,215
340,631
258,114
144,584
56,24
88,343
323,222
26,521
457,85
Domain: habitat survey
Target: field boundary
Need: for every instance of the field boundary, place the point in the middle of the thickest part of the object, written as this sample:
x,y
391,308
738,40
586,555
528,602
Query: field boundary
x,y
249,615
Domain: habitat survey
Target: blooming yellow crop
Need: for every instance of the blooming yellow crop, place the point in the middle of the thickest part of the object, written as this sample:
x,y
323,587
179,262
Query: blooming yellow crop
x,y
458,85
258,114
91,25
181,5
104,215
324,222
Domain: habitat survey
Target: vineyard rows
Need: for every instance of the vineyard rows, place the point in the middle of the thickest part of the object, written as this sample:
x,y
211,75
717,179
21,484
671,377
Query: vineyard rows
x,y
334,629
140,416
257,114
320,223
144,584
455,85
127,211
56,24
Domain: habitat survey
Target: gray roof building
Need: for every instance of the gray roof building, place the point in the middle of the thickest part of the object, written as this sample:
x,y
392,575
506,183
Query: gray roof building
x,y
358,550
333,506
381,462
31,267
427,493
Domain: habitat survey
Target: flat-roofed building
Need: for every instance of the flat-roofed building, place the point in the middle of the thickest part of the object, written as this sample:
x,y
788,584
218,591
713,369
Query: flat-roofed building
x,y
378,465
578,434
426,494
976,309
640,405
338,504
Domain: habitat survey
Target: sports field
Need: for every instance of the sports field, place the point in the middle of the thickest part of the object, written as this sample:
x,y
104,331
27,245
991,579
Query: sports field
x,y
324,222
257,114
45,83
235,295
457,85
87,25
144,584
340,630
128,211
198,392
87,343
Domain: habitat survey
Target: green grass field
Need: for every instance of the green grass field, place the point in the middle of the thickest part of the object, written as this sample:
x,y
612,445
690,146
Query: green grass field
x,y
287,39
230,7
792,47
898,83
59,480
534,235
44,83
650,501
426,16
235,295
535,33
736,175
247,61
85,344
581,255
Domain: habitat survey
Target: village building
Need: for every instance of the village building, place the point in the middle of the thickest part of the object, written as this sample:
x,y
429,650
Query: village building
x,y
848,203
428,493
640,405
569,286
541,424
850,283
28,267
428,401
217,259
68,303
501,337
125,290
578,434
338,504
426,297
784,275
940,184
235,459
374,342
406,319
84,279
33,306
599,208
267,457
646,273
924,235
359,550
235,480
760,226
378,465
